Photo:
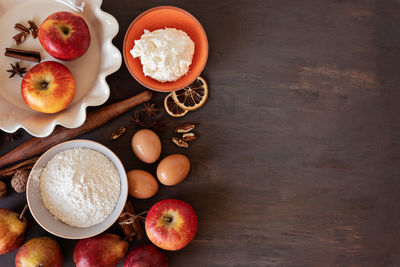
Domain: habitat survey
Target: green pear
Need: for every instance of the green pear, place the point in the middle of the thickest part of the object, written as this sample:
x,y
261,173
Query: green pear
x,y
12,230
41,251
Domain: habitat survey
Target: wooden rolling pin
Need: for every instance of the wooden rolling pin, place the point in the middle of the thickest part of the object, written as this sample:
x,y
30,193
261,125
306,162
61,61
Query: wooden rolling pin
x,y
95,119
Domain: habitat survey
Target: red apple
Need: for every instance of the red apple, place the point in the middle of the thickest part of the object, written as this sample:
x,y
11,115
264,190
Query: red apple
x,y
146,256
64,35
102,250
48,87
171,224
41,251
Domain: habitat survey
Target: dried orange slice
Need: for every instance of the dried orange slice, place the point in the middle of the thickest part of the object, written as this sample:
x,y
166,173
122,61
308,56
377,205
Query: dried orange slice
x,y
193,96
172,108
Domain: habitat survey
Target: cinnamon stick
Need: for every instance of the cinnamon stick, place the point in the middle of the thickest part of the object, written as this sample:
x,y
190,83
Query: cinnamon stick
x,y
33,56
136,224
27,165
130,230
11,173
127,229
97,118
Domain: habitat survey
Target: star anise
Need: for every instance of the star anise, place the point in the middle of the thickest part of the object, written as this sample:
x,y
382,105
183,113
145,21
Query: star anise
x,y
16,70
137,120
13,136
156,125
149,109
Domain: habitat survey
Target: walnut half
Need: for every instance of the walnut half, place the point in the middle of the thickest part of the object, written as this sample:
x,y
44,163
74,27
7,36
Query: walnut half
x,y
179,142
187,137
185,128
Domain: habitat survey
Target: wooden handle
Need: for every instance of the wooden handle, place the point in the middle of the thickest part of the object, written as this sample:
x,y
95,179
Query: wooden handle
x,y
95,119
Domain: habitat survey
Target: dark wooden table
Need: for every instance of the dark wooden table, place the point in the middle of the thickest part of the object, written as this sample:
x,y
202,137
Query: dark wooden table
x,y
297,163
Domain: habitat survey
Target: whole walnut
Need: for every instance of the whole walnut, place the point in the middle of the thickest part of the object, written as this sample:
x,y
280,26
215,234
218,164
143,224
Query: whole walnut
x,y
18,182
3,190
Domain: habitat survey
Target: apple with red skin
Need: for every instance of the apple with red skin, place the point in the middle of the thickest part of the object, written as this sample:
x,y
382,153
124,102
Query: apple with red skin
x,y
48,87
64,35
104,250
146,256
171,224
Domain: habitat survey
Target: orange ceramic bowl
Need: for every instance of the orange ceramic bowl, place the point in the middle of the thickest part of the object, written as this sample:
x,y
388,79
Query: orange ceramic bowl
x,y
159,18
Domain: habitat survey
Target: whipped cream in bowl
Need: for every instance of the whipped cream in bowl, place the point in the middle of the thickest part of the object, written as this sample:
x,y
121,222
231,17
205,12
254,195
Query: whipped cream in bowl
x,y
165,54
165,48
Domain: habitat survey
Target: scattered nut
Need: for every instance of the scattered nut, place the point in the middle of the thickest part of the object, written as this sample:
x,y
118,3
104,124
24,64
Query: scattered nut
x,y
185,128
18,182
189,137
117,133
33,28
3,190
179,142
19,38
22,28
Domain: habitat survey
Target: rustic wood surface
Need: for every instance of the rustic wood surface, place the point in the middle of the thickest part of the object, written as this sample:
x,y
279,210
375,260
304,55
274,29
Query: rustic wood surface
x,y
297,163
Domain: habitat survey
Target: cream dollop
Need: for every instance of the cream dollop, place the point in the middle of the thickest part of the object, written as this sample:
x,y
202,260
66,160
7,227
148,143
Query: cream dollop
x,y
165,54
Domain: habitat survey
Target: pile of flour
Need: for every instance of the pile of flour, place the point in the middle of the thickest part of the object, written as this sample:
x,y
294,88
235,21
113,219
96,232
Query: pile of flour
x,y
80,187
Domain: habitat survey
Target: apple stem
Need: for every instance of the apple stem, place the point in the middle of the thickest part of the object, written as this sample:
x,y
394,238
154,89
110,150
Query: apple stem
x,y
167,218
23,212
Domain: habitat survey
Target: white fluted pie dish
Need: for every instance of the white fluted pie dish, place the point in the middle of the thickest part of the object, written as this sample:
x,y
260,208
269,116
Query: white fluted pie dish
x,y
90,70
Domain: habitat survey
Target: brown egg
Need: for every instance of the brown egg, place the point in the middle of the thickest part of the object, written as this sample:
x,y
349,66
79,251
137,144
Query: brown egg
x,y
173,169
146,145
141,184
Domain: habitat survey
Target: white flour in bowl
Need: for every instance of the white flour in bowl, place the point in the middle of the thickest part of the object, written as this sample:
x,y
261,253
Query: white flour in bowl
x,y
80,187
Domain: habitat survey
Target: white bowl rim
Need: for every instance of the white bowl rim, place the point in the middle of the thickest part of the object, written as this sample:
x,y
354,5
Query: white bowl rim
x,y
114,159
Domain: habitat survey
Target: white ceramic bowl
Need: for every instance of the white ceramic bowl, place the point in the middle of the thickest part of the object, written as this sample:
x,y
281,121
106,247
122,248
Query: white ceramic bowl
x,y
90,71
45,219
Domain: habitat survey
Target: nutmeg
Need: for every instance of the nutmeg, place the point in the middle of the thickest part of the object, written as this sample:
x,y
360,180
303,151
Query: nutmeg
x,y
3,190
18,182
